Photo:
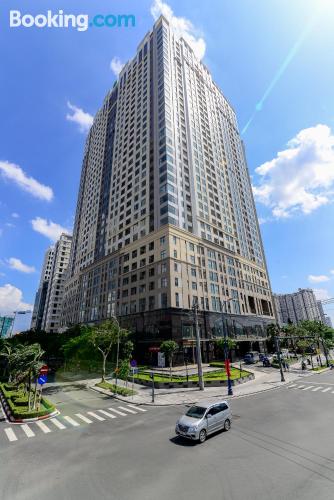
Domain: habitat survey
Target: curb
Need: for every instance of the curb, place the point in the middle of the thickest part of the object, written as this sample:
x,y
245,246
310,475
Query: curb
x,y
102,391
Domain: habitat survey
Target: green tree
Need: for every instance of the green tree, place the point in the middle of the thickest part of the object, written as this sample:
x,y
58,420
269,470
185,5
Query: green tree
x,y
231,344
169,348
104,337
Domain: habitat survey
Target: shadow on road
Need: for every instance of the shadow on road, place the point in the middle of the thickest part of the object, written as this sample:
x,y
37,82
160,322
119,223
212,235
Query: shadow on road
x,y
64,388
180,441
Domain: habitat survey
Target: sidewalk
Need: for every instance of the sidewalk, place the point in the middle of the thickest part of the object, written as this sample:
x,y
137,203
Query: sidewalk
x,y
265,379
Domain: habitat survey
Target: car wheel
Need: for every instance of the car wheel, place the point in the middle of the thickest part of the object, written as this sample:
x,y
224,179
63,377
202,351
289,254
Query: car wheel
x,y
227,425
202,436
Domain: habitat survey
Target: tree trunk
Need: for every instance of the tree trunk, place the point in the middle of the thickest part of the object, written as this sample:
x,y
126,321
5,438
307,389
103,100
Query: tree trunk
x,y
104,358
29,391
170,366
35,395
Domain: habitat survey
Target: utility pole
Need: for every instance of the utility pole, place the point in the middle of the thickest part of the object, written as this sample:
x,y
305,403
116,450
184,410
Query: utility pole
x,y
198,347
278,348
325,351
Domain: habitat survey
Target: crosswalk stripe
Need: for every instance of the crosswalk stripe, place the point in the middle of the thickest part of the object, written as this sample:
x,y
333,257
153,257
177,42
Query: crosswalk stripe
x,y
327,389
10,434
58,424
107,414
71,421
292,385
83,418
118,412
98,417
308,387
317,388
136,407
28,432
43,427
300,386
126,409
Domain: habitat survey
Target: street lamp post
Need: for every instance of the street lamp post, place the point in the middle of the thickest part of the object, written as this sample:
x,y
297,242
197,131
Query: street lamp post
x,y
227,361
198,347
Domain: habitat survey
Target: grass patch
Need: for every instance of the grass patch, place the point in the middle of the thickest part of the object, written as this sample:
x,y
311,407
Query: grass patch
x,y
214,375
317,368
122,391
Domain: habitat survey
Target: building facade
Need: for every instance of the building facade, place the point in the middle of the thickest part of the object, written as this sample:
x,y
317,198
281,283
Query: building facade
x,y
165,214
6,324
49,297
40,299
299,306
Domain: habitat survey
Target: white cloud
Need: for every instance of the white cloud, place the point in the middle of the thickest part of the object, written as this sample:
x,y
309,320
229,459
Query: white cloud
x,y
321,293
14,173
10,224
317,279
116,65
11,300
15,215
18,265
48,228
83,119
181,26
301,178
332,271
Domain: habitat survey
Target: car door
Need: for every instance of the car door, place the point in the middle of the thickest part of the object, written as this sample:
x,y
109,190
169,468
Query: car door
x,y
220,415
224,413
211,420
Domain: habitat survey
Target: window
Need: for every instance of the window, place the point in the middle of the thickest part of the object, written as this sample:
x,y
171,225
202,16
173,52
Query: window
x,y
163,268
151,245
177,300
193,272
164,283
163,240
164,300
163,254
176,281
175,254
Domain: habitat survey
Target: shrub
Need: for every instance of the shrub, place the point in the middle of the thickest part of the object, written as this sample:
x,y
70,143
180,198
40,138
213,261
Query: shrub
x,y
123,391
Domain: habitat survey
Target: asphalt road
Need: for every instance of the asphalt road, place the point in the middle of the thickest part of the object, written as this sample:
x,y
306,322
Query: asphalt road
x,y
280,446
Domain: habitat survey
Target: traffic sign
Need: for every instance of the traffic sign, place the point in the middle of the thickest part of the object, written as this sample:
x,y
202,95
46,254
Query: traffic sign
x,y
44,370
42,379
133,363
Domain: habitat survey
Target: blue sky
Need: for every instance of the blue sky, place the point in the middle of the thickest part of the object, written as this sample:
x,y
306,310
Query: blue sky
x,y
273,61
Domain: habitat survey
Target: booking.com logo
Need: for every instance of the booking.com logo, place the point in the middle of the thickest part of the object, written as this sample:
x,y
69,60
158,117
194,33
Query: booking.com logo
x,y
81,22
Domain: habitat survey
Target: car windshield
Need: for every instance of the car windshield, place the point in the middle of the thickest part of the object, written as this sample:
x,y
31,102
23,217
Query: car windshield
x,y
196,412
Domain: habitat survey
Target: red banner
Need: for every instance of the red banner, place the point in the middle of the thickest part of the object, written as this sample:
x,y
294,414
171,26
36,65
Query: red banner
x,y
227,367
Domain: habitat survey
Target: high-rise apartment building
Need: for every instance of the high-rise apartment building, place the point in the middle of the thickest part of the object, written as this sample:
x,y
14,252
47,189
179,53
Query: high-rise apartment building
x,y
165,213
39,305
49,297
295,307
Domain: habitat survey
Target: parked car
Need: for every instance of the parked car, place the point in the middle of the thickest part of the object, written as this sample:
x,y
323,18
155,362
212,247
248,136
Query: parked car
x,y
204,419
251,357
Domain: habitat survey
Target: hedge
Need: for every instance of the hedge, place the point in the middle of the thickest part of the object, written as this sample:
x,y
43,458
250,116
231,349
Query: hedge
x,y
122,391
18,403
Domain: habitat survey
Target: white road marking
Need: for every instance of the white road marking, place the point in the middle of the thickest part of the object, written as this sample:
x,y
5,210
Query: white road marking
x,y
300,386
126,409
327,389
10,434
58,424
136,407
43,427
292,385
98,417
307,388
71,421
107,414
28,432
317,388
85,419
118,412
